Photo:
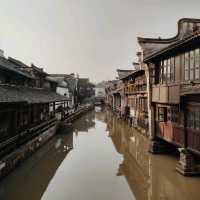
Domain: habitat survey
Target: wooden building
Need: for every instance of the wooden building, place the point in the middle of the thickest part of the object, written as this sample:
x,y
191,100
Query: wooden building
x,y
135,90
85,90
111,86
26,109
174,68
115,96
67,86
124,112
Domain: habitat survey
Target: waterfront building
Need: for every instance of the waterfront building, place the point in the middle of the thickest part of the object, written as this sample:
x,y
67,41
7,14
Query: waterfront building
x,y
115,97
135,91
100,92
110,87
174,74
120,93
28,107
66,85
85,90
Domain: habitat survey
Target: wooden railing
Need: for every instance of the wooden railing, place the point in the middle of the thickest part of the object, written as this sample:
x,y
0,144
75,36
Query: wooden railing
x,y
133,88
17,140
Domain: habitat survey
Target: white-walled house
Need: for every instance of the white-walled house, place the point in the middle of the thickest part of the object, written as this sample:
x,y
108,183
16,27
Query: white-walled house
x,y
100,91
66,86
63,89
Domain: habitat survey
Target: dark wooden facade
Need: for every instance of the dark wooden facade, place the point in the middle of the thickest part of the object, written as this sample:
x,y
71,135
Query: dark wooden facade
x,y
174,66
135,90
26,109
85,90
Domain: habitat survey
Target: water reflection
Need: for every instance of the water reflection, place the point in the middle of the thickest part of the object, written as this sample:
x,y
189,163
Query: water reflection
x,y
149,177
85,124
100,157
30,180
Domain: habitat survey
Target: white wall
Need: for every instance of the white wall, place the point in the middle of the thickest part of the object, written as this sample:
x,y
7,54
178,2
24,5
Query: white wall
x,y
100,92
62,91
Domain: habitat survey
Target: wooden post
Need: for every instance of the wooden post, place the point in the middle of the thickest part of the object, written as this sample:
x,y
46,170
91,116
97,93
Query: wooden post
x,y
54,108
185,128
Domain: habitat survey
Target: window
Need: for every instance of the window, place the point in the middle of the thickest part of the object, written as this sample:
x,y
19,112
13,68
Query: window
x,y
165,71
161,72
177,62
152,76
191,65
186,67
197,61
172,75
172,114
162,114
168,70
197,120
193,120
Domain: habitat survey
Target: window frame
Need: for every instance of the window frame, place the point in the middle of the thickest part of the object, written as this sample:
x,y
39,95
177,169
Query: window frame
x,y
188,66
162,114
192,65
197,64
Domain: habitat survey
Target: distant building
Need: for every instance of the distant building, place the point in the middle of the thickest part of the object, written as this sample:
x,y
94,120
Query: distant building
x,y
115,97
135,91
85,90
67,86
100,92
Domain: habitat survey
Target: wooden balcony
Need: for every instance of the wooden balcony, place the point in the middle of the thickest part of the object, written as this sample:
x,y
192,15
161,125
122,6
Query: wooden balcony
x,y
188,88
166,94
135,89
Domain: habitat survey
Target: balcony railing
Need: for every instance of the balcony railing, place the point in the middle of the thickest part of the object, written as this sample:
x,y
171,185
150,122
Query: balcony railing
x,y
133,88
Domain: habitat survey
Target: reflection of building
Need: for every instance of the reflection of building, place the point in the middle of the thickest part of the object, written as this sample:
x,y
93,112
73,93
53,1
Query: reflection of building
x,y
85,123
42,166
99,113
149,177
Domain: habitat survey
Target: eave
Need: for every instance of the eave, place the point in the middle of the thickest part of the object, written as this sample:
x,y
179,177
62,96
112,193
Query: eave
x,y
173,46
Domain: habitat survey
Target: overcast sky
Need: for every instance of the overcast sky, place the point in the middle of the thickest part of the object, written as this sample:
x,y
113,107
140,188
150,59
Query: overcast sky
x,y
89,37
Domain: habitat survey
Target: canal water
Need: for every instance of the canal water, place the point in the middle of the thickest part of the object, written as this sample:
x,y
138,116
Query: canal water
x,y
99,158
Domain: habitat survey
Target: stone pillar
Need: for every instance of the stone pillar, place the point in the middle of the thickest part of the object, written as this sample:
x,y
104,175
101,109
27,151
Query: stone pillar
x,y
186,165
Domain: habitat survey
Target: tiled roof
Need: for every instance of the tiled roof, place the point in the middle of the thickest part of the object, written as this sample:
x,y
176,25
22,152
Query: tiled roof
x,y
174,45
6,65
187,27
11,94
134,73
123,72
